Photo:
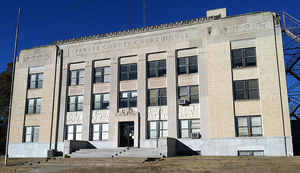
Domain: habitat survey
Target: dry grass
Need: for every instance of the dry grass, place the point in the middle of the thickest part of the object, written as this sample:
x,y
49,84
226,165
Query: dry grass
x,y
169,165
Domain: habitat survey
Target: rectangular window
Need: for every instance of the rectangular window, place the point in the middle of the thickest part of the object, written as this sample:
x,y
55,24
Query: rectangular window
x,y
31,134
100,131
248,126
189,128
128,99
246,89
157,129
35,80
128,71
102,74
101,101
244,57
250,153
187,65
75,103
156,68
189,93
157,97
74,132
77,77
33,106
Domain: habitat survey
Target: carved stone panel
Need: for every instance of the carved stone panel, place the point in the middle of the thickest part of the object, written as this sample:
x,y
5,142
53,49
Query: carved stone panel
x,y
74,117
157,113
99,116
189,112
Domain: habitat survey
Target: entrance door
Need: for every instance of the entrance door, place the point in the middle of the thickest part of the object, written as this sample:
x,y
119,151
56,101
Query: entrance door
x,y
126,134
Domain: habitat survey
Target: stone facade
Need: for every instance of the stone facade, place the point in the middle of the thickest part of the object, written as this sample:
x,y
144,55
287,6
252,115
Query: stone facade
x,y
210,39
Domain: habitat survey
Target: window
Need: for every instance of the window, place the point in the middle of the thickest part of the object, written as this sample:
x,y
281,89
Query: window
x,y
246,89
128,71
101,101
187,65
31,134
128,99
248,126
33,106
157,97
77,77
102,74
244,57
100,132
75,103
250,153
156,68
190,93
157,129
74,132
189,128
35,80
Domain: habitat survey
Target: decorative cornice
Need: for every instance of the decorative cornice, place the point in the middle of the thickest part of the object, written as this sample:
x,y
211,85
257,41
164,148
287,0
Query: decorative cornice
x,y
140,30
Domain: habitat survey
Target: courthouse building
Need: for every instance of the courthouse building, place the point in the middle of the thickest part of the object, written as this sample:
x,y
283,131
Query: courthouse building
x,y
215,85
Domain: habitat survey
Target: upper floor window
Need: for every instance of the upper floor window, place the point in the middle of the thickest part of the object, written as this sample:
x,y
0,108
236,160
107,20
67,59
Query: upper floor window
x,y
157,97
31,134
248,126
246,89
74,132
189,128
187,65
244,57
128,99
100,132
157,129
128,71
102,74
101,101
156,68
75,103
189,93
33,106
77,77
35,80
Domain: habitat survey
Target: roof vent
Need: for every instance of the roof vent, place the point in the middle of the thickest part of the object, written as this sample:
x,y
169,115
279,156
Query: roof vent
x,y
216,12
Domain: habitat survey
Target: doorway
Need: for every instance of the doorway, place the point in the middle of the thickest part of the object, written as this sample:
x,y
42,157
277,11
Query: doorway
x,y
126,134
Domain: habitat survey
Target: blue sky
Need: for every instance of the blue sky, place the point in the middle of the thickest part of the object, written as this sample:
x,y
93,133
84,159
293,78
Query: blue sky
x,y
43,22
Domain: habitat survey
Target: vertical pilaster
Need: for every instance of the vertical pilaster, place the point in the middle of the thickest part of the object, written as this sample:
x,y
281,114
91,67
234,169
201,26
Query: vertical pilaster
x,y
114,98
142,94
87,100
63,102
172,94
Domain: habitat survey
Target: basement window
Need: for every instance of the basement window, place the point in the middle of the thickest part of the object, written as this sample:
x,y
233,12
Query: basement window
x,y
250,153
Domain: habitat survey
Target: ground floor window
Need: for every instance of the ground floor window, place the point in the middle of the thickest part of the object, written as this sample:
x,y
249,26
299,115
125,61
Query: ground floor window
x,y
74,132
250,153
248,126
157,129
31,134
100,132
189,128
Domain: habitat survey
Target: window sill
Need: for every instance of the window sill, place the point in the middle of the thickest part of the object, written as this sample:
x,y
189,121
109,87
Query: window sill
x,y
34,88
242,67
186,74
100,109
246,100
101,82
32,114
249,136
127,80
156,77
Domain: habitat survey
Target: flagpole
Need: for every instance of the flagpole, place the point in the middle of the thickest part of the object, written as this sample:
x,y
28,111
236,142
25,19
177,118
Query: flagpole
x,y
11,88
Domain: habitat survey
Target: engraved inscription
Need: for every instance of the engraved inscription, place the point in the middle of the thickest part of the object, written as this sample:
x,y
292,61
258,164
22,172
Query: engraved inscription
x,y
158,113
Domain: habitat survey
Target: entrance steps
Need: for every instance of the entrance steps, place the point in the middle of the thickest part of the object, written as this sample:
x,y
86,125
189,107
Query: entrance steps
x,y
117,152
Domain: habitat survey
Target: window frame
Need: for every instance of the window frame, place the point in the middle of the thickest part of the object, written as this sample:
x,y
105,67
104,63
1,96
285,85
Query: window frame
x,y
244,58
248,92
129,98
190,128
36,108
101,78
159,129
77,105
188,65
189,94
37,82
100,132
101,102
157,68
74,133
249,126
79,77
128,72
158,97
251,153
34,134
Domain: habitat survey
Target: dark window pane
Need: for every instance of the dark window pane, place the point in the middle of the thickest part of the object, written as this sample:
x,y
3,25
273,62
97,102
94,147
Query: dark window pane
x,y
193,60
124,76
132,102
123,103
124,68
250,52
182,70
163,101
193,69
236,56
152,73
132,75
133,67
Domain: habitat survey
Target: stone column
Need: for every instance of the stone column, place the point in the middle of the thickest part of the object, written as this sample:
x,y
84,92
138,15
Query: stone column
x,y
142,95
172,94
63,103
114,99
87,101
